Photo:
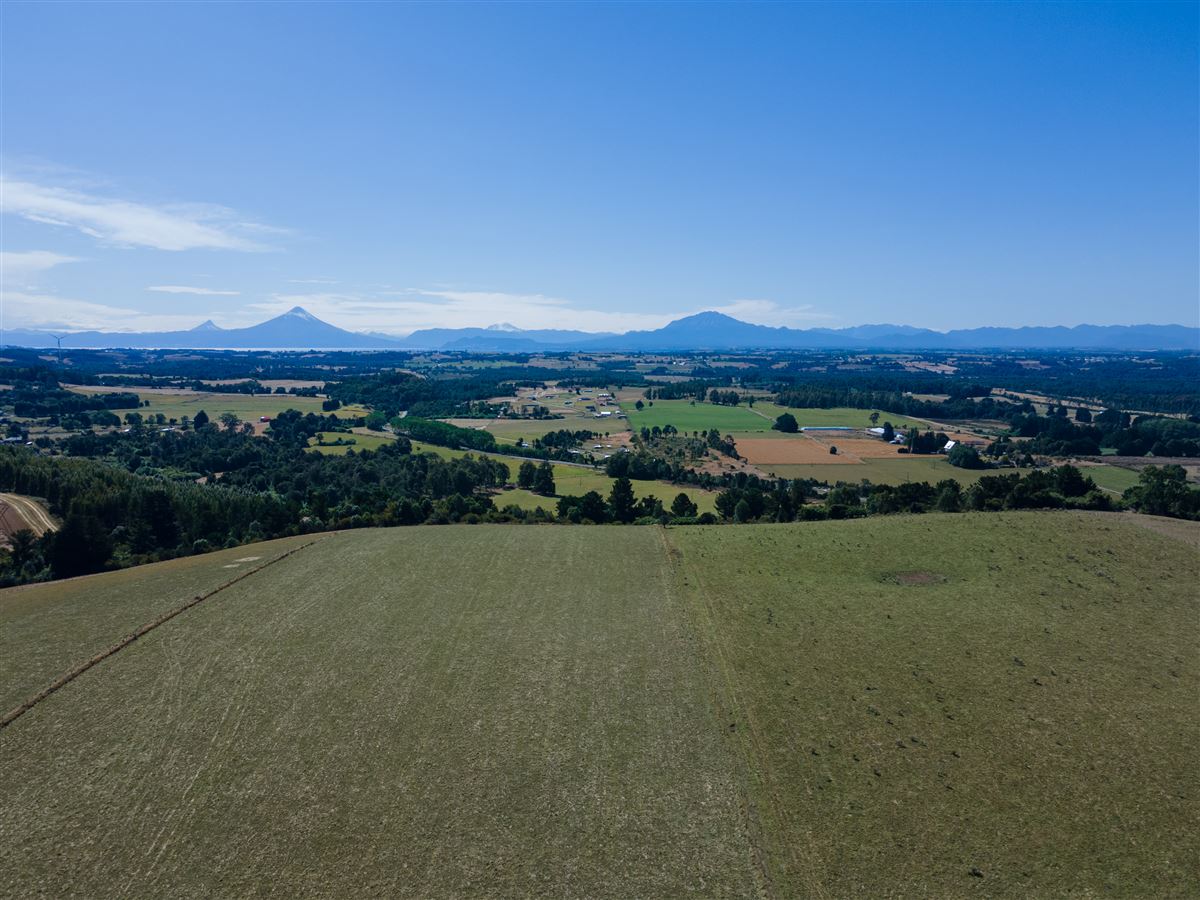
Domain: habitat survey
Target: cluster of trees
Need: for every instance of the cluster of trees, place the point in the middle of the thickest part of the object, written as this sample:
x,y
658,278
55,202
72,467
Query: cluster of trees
x,y
925,442
1055,434
624,508
563,439
965,406
395,392
536,478
444,434
1062,487
679,390
727,398
1164,491
46,400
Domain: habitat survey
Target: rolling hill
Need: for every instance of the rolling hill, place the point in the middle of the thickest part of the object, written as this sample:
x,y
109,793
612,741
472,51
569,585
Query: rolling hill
x,y
930,705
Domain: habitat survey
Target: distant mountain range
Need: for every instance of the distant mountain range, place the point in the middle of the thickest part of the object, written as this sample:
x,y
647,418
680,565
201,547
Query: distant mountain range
x,y
298,329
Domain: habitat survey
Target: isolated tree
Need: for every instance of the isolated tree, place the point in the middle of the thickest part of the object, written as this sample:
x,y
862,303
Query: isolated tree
x,y
639,406
229,420
786,423
874,417
620,500
832,450
682,506
543,481
526,475
889,433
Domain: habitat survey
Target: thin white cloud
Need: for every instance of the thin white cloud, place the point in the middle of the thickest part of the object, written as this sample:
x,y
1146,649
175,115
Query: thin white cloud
x,y
38,311
312,281
184,289
768,312
22,263
129,224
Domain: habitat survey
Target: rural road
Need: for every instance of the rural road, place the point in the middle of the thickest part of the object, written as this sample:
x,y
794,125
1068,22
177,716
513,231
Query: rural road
x,y
31,512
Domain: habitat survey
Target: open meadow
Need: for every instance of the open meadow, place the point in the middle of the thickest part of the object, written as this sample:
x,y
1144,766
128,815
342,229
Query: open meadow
x,y
933,705
247,407
838,416
360,439
688,416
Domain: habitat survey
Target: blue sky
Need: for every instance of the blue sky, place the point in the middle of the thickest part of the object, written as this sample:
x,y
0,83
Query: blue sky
x,y
605,167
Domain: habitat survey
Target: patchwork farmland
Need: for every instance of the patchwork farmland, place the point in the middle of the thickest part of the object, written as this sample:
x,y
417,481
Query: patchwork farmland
x,y
928,706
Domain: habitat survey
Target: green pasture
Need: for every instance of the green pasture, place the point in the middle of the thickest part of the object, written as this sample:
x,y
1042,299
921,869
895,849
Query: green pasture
x,y
453,720
951,706
361,442
1112,478
888,471
839,416
688,416
937,705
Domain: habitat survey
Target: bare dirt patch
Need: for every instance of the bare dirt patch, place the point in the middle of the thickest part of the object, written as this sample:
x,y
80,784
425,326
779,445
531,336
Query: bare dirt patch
x,y
858,447
800,450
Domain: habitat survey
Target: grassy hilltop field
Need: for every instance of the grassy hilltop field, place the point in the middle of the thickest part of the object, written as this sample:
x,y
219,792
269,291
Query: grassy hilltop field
x,y
830,709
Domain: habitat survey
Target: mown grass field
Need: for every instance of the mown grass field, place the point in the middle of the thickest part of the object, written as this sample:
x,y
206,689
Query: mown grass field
x,y
688,416
446,718
45,629
926,696
744,419
875,707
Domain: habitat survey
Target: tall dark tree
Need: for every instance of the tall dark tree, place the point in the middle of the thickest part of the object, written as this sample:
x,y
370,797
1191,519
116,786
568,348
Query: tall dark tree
x,y
526,475
543,482
621,501
682,506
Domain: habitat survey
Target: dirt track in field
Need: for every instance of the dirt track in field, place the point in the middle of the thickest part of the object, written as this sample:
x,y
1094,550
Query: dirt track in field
x,y
17,512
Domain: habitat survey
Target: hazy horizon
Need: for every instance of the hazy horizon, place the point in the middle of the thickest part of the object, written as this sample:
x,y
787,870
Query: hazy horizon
x,y
599,167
